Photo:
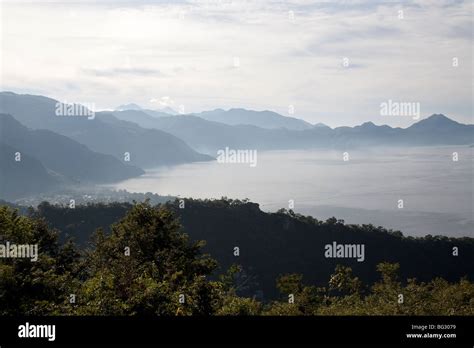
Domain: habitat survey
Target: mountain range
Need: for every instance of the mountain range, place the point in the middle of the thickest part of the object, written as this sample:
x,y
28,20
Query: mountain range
x,y
48,159
104,133
209,136
25,177
278,243
116,145
263,119
166,111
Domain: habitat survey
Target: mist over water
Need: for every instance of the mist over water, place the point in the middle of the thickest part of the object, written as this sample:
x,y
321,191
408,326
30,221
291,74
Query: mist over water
x,y
437,192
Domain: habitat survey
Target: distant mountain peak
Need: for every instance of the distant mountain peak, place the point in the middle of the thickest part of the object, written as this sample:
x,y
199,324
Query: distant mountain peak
x,y
367,125
320,125
435,120
130,106
439,118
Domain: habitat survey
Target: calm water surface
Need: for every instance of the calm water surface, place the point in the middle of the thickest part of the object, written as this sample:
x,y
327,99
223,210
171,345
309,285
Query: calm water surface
x,y
437,192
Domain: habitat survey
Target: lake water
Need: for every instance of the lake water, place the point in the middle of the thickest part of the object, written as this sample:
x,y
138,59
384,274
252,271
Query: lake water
x,y
437,192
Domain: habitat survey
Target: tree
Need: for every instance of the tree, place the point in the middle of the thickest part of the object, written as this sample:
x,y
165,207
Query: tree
x,y
147,266
38,287
343,282
305,300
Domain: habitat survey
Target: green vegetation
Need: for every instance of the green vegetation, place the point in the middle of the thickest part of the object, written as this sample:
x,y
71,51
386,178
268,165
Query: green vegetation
x,y
272,244
146,265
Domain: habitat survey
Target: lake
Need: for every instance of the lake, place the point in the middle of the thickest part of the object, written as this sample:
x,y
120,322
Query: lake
x,y
437,192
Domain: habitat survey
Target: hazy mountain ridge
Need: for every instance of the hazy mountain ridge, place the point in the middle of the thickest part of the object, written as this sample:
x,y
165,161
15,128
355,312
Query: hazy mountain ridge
x,y
166,111
154,138
102,133
24,177
72,162
263,119
210,136
272,244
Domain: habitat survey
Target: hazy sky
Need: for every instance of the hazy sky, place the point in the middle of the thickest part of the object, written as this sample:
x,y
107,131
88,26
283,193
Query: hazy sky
x,y
251,54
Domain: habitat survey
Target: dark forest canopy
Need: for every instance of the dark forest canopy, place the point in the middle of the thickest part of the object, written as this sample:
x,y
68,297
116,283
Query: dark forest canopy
x,y
144,264
271,244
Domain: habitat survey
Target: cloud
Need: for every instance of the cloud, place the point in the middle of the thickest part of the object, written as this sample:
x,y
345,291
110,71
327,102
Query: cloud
x,y
163,101
114,72
111,52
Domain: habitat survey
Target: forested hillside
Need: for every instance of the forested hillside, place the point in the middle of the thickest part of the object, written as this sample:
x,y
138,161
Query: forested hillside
x,y
146,265
270,244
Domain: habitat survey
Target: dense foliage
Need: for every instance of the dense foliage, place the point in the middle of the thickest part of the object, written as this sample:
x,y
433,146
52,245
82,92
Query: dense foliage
x,y
271,244
146,265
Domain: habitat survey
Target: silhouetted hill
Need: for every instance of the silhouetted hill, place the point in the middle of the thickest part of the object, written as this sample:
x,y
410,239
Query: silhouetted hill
x,y
439,128
63,155
102,132
276,243
437,121
19,178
